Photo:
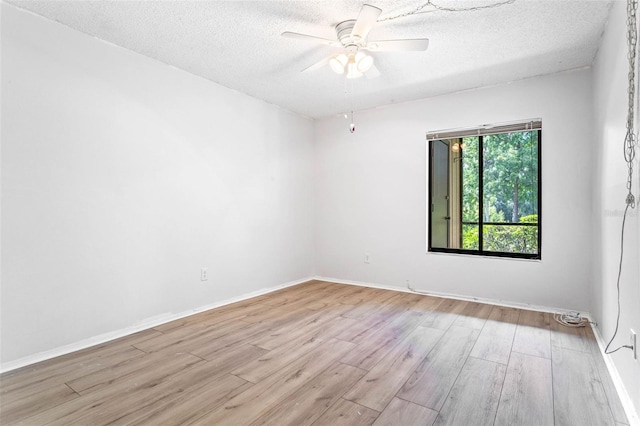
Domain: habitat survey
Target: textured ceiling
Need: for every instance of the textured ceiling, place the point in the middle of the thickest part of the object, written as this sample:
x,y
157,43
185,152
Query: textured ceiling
x,y
238,44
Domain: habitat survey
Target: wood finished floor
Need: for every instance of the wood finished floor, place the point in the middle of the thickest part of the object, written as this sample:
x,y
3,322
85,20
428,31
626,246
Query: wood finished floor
x,y
328,354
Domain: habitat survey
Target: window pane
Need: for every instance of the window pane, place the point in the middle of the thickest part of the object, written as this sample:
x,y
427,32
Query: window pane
x,y
470,193
510,238
510,192
470,237
440,187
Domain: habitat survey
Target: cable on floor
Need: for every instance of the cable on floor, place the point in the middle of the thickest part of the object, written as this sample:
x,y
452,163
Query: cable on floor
x,y
571,319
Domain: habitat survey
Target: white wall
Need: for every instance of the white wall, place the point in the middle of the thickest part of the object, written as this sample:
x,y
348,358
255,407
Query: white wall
x,y
610,172
122,177
372,195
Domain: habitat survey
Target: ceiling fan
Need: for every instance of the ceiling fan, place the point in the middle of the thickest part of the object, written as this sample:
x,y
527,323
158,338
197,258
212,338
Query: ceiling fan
x,y
352,60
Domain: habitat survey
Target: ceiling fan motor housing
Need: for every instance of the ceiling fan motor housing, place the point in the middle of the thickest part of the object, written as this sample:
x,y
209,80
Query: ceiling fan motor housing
x,y
344,29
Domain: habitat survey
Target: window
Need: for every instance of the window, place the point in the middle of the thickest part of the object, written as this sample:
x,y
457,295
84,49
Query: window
x,y
484,190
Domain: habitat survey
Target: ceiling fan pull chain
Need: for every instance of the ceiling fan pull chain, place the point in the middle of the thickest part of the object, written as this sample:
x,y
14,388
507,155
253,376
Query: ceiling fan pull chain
x,y
352,126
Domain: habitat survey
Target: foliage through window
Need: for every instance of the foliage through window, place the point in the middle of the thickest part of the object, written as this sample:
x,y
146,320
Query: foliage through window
x,y
484,191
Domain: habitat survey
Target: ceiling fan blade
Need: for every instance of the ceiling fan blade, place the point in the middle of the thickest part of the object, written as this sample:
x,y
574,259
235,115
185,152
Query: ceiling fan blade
x,y
372,72
398,45
306,37
318,64
366,20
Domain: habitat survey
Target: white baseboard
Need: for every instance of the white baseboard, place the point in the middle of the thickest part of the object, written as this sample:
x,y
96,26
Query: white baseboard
x,y
145,324
504,303
625,399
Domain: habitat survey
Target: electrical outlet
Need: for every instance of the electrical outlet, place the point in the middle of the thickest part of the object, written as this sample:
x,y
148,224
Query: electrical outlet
x,y
367,258
634,344
204,274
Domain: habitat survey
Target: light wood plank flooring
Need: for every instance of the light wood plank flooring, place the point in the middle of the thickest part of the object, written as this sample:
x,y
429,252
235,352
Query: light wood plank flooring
x,y
328,354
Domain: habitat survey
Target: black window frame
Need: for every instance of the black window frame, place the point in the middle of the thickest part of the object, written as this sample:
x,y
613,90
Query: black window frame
x,y
481,222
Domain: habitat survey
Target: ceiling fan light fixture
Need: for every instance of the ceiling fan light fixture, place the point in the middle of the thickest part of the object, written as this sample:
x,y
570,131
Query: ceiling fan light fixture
x,y
364,62
352,68
338,63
